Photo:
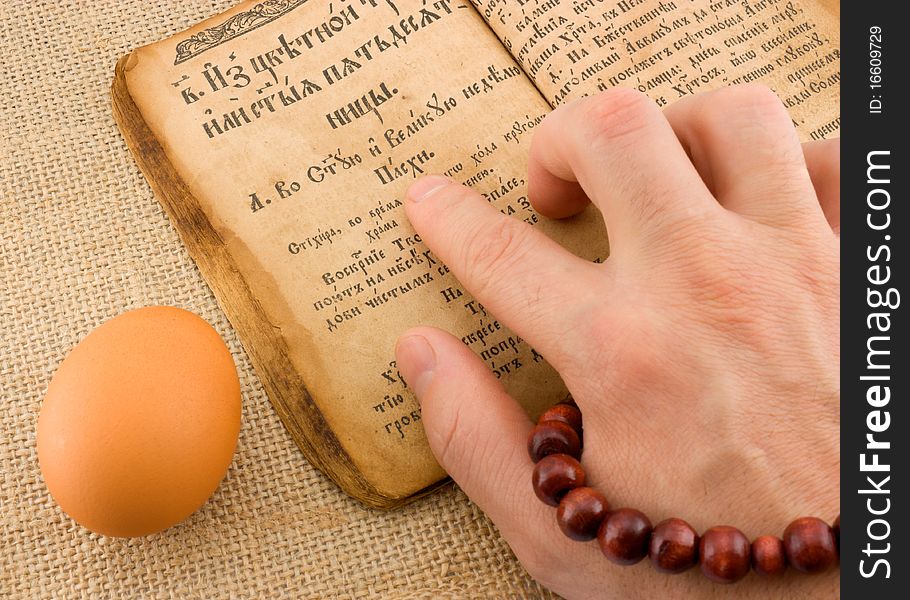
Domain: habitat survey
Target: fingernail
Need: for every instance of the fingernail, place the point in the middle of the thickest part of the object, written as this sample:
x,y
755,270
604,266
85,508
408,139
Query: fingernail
x,y
425,187
416,362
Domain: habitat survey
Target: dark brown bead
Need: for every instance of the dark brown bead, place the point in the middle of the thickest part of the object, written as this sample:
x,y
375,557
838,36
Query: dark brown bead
x,y
836,529
810,545
724,554
624,536
768,556
553,437
564,413
581,512
555,475
674,546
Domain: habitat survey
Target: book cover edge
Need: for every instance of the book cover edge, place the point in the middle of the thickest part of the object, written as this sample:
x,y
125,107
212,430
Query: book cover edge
x,y
203,246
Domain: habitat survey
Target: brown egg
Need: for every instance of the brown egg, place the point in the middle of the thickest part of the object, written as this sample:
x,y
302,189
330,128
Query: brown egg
x,y
140,422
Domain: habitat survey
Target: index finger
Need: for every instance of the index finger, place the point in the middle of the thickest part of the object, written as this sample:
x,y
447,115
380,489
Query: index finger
x,y
531,283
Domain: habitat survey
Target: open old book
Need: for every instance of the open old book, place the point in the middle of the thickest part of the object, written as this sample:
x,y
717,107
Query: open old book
x,y
281,136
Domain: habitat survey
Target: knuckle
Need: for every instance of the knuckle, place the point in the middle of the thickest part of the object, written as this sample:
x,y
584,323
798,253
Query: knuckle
x,y
753,105
445,434
764,123
751,97
471,453
492,249
451,442
759,106
616,114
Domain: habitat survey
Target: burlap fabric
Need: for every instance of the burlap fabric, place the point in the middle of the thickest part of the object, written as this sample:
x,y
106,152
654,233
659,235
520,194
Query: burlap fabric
x,y
82,239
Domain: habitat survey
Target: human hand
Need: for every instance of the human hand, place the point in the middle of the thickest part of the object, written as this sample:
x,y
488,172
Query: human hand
x,y
703,352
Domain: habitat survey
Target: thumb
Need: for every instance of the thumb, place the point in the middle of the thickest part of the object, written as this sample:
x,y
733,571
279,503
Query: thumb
x,y
477,432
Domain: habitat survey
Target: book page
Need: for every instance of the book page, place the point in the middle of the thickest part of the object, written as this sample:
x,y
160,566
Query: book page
x,y
298,126
670,49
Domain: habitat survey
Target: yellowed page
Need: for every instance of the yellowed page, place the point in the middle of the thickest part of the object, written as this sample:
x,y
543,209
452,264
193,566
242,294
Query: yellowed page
x,y
299,126
671,49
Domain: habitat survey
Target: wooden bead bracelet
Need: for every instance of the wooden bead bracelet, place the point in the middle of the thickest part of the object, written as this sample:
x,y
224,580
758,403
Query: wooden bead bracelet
x,y
626,536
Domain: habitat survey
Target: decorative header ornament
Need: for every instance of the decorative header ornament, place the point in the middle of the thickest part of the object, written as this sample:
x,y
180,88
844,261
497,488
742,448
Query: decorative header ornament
x,y
237,25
